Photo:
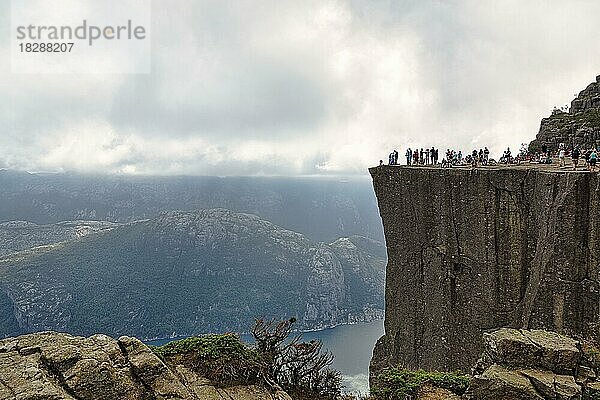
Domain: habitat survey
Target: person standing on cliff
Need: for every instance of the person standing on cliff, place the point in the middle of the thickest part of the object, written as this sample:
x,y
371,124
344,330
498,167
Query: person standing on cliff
x,y
561,157
593,159
408,155
427,156
575,157
486,155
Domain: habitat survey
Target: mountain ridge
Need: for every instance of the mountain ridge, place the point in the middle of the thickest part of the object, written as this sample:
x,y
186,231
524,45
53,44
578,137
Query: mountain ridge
x,y
184,273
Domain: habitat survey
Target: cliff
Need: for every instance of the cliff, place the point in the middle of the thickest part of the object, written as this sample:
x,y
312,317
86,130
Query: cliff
x,y
474,250
580,126
62,367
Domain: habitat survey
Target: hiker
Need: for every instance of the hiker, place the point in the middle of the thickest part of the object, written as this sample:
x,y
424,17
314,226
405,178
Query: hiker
x,y
416,157
427,156
460,157
395,157
408,156
561,157
474,158
421,156
381,163
486,155
575,157
433,156
391,159
593,159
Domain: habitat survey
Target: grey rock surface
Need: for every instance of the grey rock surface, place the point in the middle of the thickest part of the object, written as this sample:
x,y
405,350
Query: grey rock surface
x,y
534,364
55,366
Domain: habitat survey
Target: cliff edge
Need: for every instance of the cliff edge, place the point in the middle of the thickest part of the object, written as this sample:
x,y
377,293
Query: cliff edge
x,y
472,250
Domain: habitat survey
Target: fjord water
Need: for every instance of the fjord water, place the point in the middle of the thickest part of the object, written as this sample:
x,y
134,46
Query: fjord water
x,y
352,346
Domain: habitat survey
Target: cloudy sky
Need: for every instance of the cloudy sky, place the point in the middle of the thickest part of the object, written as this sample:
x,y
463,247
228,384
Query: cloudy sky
x,y
304,87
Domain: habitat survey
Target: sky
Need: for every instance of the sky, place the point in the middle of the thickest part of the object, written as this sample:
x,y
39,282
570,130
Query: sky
x,y
294,88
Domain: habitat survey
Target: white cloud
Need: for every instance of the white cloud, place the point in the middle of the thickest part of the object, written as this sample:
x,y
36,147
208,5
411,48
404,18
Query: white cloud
x,y
278,87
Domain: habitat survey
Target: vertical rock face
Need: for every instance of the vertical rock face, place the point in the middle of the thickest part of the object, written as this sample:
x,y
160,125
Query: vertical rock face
x,y
474,250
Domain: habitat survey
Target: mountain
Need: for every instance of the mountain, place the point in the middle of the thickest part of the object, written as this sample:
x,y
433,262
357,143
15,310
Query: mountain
x,y
185,273
322,209
16,236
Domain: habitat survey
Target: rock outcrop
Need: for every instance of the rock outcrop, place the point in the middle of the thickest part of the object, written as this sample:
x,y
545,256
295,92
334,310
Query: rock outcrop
x,y
579,126
474,250
523,365
54,366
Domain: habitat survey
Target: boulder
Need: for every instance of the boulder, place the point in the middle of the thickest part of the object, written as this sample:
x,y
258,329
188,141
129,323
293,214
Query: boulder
x,y
532,349
591,390
552,386
500,383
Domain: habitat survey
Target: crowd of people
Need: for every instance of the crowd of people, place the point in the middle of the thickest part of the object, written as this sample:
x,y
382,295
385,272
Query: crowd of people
x,y
430,156
427,156
457,158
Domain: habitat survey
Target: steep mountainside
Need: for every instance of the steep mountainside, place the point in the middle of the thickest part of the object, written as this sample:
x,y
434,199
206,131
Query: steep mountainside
x,y
190,272
478,249
20,235
580,126
322,209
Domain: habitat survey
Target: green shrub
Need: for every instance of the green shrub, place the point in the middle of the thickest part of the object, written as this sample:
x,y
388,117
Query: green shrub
x,y
398,383
209,346
221,358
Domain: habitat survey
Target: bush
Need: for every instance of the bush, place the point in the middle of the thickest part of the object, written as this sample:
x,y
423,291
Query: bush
x,y
398,383
224,359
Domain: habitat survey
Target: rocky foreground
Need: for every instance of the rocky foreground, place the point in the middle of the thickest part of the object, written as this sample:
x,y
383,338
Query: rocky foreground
x,y
521,364
55,366
515,365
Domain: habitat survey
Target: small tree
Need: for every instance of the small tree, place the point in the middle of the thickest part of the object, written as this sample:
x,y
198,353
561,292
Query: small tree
x,y
301,368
